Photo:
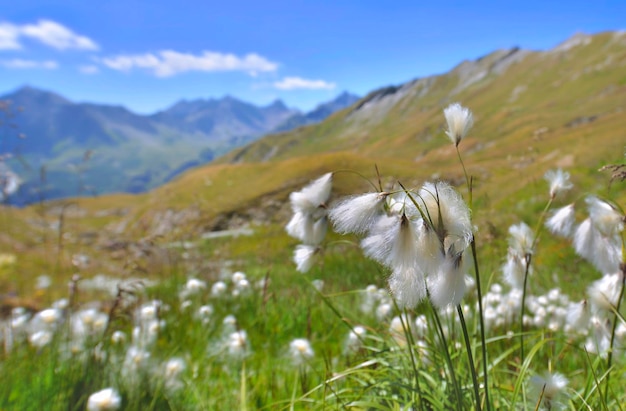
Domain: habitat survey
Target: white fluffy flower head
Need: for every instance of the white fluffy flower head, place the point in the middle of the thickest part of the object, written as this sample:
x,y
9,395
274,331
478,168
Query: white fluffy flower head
x,y
558,180
310,198
561,221
549,387
521,239
459,120
301,351
107,399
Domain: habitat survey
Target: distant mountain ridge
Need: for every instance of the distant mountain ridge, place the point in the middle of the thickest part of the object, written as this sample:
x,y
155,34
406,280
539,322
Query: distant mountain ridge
x,y
129,152
318,114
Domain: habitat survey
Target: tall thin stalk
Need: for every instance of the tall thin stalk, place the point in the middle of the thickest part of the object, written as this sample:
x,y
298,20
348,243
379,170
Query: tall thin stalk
x,y
444,343
407,332
483,340
609,358
528,260
470,357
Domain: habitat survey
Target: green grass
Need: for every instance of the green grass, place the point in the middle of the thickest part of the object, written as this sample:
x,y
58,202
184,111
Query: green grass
x,y
377,376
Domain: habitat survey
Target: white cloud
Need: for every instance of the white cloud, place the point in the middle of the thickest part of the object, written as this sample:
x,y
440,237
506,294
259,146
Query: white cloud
x,y
8,37
29,64
294,83
168,62
48,32
88,69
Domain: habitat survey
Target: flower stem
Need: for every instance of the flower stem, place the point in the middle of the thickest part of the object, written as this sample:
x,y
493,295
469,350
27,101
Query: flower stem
x,y
407,332
483,343
528,259
609,358
467,179
470,357
479,293
444,343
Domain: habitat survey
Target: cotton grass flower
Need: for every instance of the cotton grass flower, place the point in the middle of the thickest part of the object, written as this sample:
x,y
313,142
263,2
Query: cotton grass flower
x,y
447,214
548,388
172,370
460,120
514,270
40,339
447,286
193,286
309,222
218,288
558,181
105,400
521,239
357,214
419,234
561,222
604,252
604,216
577,317
604,293
354,342
311,198
305,256
118,337
237,345
300,351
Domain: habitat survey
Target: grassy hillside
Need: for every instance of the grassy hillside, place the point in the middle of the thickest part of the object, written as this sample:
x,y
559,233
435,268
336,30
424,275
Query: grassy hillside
x,y
534,111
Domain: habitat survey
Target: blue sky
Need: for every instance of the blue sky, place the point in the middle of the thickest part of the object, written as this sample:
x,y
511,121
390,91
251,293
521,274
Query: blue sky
x,y
146,55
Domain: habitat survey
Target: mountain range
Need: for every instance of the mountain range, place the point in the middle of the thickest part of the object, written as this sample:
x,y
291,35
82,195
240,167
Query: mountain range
x,y
60,148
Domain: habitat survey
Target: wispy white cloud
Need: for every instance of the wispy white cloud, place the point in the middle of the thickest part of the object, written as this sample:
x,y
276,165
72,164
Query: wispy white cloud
x,y
88,69
294,83
167,63
29,64
8,37
47,32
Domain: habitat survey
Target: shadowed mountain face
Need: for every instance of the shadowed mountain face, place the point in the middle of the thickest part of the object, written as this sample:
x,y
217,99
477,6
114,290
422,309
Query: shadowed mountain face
x,y
48,137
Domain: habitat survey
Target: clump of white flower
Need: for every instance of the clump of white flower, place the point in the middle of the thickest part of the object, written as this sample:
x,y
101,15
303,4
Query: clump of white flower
x,y
300,351
218,288
309,222
193,287
40,339
118,337
205,312
136,359
605,292
172,370
598,238
237,345
422,234
354,342
548,389
105,400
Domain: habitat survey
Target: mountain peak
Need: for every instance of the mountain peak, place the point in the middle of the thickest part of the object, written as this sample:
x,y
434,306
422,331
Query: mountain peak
x,y
27,93
277,104
578,39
